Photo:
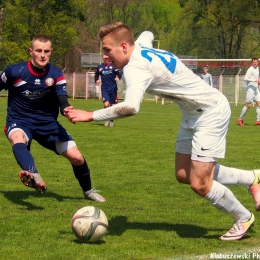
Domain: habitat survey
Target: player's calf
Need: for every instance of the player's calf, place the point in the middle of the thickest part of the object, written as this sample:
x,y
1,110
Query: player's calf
x,y
255,189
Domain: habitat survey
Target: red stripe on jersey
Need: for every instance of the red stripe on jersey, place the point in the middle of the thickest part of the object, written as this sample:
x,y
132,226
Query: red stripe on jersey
x,y
61,80
18,83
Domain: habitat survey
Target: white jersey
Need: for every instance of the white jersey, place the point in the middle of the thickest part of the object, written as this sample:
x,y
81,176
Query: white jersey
x,y
208,78
251,76
160,73
145,39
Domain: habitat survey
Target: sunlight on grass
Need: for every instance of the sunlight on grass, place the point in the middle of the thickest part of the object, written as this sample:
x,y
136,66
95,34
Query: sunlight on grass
x,y
151,215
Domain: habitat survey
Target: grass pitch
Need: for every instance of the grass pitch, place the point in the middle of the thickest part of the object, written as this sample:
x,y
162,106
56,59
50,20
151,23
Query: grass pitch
x,y
151,215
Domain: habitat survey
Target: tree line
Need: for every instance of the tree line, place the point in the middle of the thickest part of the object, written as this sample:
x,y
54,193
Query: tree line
x,y
201,28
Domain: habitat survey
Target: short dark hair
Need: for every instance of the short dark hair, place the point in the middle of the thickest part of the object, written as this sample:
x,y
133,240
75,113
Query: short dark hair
x,y
118,29
41,38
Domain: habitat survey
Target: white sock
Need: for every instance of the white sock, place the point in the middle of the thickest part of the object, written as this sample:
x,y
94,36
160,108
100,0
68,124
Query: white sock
x,y
223,199
258,114
228,176
243,112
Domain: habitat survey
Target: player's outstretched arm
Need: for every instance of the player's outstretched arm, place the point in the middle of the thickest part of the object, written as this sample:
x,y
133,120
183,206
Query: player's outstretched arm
x,y
75,115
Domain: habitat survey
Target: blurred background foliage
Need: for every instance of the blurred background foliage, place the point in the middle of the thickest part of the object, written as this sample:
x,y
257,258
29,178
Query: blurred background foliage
x,y
201,28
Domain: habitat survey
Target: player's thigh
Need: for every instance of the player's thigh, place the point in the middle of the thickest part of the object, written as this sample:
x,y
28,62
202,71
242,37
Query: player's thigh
x,y
55,138
17,133
210,130
183,154
251,94
257,97
201,176
73,155
105,96
182,167
113,97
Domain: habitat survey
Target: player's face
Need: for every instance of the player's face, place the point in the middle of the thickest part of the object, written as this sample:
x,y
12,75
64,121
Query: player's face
x,y
106,59
40,53
115,52
255,63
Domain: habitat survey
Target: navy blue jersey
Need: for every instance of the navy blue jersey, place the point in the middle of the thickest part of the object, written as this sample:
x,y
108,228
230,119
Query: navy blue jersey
x,y
33,96
108,74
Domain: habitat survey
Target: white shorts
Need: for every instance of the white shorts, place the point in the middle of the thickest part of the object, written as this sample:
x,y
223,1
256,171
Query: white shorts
x,y
252,94
204,137
64,146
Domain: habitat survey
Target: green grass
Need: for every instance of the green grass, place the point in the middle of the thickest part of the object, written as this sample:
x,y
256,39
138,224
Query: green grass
x,y
151,215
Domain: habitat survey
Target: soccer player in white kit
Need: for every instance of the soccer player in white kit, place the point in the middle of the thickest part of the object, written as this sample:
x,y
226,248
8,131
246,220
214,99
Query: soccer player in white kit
x,y
205,118
252,91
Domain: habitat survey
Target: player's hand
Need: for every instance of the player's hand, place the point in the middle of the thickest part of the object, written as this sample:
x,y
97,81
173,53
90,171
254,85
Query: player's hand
x,y
75,115
66,109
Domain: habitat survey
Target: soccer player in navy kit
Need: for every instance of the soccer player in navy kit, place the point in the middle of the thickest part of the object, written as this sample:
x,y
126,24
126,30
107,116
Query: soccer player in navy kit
x,y
36,93
109,77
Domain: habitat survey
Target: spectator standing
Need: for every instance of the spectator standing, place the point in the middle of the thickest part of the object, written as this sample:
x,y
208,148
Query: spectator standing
x,y
206,76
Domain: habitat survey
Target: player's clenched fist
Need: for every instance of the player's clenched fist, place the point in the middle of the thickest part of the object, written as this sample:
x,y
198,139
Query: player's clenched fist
x,y
75,115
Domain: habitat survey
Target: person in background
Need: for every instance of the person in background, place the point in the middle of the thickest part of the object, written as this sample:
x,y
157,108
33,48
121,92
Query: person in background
x,y
207,76
36,94
252,91
108,76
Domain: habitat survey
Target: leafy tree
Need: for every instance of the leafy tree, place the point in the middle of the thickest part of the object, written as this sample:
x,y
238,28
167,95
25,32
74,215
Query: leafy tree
x,y
219,28
23,19
162,21
203,28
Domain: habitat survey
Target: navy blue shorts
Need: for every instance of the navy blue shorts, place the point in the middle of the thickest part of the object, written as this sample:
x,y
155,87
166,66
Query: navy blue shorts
x,y
109,96
46,134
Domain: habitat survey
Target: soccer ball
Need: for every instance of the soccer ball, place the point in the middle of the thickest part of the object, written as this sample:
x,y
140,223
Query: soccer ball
x,y
89,224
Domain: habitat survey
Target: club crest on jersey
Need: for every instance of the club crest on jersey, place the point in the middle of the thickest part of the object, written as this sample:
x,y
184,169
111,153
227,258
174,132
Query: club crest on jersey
x,y
49,82
4,78
37,82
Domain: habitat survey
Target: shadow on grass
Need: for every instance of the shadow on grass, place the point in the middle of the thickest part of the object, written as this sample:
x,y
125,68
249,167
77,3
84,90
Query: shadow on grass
x,y
119,224
99,242
21,197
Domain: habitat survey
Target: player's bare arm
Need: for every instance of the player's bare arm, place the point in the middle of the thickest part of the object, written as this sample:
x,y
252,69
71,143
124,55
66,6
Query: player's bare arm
x,y
75,115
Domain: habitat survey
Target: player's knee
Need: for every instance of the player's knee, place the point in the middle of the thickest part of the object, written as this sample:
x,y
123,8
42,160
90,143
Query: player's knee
x,y
76,159
106,104
17,136
182,179
200,189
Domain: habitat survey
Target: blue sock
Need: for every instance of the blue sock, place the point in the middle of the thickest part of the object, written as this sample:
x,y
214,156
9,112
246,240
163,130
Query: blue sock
x,y
24,157
82,173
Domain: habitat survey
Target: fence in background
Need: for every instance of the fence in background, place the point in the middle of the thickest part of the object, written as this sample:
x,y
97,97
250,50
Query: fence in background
x,y
83,86
228,77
